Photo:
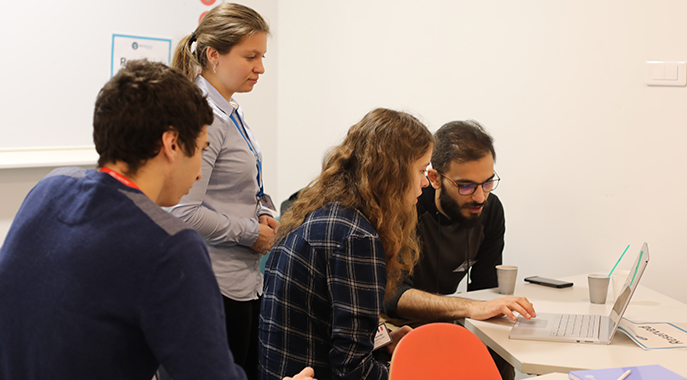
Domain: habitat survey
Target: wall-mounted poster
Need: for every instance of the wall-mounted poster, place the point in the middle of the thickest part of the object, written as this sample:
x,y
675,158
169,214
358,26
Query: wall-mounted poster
x,y
125,48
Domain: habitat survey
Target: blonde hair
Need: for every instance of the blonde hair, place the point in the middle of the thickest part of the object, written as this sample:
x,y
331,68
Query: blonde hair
x,y
371,172
222,28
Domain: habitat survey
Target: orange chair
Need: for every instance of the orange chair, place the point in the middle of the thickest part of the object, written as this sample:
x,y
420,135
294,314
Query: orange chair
x,y
442,351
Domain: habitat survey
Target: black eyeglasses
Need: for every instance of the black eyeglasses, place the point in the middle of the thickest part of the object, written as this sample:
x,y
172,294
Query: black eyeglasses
x,y
470,188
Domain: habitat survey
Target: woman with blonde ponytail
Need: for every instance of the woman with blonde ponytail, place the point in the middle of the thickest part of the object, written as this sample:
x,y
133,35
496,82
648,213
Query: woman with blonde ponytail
x,y
228,206
342,244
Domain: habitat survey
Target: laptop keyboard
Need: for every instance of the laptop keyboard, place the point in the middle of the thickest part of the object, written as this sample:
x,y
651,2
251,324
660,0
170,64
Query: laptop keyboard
x,y
578,325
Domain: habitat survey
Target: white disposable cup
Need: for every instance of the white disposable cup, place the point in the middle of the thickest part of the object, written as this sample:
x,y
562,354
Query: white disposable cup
x,y
618,280
598,287
506,275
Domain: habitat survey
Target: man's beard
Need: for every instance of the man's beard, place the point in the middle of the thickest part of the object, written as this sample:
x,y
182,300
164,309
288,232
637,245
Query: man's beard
x,y
453,210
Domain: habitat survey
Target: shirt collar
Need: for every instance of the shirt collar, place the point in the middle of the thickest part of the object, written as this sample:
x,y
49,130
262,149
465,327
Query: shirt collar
x,y
215,97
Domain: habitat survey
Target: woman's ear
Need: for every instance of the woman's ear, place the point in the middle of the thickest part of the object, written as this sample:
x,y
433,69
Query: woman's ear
x,y
212,55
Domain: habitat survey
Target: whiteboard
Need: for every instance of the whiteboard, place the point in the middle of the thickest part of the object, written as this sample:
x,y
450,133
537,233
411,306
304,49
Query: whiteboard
x,y
56,55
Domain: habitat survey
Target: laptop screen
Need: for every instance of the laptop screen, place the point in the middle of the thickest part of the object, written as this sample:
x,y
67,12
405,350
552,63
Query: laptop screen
x,y
630,285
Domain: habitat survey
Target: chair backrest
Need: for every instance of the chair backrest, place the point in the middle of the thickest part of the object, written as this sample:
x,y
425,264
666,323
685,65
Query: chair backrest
x,y
442,351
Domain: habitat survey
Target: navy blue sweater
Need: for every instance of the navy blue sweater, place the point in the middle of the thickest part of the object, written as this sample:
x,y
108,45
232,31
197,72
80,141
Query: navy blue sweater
x,y
96,281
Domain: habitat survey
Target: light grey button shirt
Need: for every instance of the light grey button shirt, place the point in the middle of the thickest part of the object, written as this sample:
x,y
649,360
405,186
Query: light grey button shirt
x,y
223,206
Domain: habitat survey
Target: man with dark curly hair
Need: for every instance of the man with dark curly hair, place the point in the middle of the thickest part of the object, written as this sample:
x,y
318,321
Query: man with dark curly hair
x,y
96,280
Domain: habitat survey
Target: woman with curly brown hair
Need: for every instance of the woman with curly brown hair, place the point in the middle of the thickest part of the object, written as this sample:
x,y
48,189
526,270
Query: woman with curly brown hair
x,y
341,245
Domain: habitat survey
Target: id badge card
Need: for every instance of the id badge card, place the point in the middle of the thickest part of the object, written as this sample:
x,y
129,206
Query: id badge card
x,y
266,201
382,338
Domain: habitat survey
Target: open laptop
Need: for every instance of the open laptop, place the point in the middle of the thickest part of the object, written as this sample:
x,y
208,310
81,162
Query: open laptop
x,y
583,328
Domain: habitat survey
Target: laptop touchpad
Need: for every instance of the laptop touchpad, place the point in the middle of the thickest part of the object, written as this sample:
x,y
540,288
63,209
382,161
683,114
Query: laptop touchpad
x,y
531,326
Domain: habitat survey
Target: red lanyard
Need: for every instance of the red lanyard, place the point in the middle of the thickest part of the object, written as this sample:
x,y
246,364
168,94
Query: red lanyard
x,y
119,177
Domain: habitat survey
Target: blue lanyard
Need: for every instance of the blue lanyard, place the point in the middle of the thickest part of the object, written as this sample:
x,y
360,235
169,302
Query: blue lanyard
x,y
258,162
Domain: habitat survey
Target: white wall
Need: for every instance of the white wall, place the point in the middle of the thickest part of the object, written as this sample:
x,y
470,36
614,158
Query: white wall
x,y
260,105
14,185
589,156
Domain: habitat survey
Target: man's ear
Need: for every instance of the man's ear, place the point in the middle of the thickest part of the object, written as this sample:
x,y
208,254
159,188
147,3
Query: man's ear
x,y
170,145
434,178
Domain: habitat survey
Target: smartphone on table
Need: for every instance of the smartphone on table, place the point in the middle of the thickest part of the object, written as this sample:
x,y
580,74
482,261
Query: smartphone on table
x,y
548,282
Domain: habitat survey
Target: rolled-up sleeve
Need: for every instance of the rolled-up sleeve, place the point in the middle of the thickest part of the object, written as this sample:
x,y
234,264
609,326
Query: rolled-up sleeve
x,y
391,302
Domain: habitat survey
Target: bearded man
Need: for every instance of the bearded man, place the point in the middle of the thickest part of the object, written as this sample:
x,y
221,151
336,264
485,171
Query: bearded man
x,y
461,227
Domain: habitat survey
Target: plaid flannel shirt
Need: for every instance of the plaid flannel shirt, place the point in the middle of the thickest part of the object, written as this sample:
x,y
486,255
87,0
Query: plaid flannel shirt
x,y
324,288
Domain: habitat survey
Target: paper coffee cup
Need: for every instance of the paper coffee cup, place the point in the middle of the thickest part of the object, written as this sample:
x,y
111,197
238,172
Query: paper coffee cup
x,y
598,287
506,275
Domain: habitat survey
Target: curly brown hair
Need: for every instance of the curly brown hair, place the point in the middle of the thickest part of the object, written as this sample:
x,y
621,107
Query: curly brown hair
x,y
371,171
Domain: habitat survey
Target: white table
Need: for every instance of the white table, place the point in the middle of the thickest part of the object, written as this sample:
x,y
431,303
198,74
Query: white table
x,y
554,376
536,357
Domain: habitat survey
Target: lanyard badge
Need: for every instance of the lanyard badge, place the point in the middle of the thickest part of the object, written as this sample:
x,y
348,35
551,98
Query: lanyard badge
x,y
119,177
258,162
